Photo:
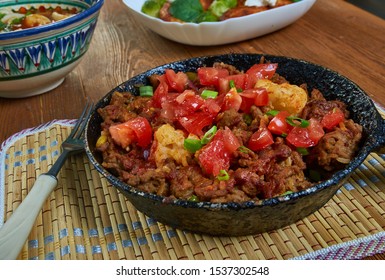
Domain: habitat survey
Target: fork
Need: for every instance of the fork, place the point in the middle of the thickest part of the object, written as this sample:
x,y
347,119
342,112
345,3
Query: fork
x,y
15,231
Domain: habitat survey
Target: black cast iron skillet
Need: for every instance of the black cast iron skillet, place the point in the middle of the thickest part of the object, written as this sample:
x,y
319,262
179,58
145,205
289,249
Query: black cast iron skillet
x,y
234,219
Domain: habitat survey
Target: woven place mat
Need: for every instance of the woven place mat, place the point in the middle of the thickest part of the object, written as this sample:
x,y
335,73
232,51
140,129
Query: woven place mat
x,y
86,218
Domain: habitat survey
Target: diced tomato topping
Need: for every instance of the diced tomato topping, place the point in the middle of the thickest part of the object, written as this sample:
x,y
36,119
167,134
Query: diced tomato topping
x,y
238,79
256,96
247,102
216,155
259,71
195,122
230,140
209,76
223,86
262,97
332,118
176,81
160,93
188,102
260,139
213,158
232,100
137,130
306,137
278,124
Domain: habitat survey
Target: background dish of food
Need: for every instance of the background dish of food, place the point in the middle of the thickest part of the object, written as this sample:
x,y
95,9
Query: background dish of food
x,y
223,32
12,19
198,11
36,60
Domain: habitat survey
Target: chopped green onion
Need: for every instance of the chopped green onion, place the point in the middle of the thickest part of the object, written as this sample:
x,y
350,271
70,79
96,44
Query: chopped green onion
x,y
287,192
244,149
302,151
272,113
193,198
146,91
209,94
232,84
223,175
192,145
209,135
247,118
293,121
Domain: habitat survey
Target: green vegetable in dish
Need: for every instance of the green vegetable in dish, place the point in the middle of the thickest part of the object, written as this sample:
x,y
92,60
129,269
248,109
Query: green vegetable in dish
x,y
152,7
146,91
209,135
2,24
190,11
207,16
206,93
223,175
192,145
219,7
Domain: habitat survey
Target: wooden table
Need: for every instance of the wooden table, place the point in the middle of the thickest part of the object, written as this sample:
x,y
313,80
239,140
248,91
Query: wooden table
x,y
335,34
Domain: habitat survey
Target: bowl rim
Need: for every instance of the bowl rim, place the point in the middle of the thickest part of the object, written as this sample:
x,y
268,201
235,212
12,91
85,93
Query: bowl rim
x,y
53,26
207,23
337,178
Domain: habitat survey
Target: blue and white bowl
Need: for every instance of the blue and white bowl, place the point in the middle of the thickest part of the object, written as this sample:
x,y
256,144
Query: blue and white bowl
x,y
36,60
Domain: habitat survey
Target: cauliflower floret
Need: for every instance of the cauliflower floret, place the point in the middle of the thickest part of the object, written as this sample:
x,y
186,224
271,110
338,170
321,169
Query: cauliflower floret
x,y
285,96
170,145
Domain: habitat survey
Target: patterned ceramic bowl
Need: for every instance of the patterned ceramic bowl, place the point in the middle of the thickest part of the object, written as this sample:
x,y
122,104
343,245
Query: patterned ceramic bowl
x,y
36,60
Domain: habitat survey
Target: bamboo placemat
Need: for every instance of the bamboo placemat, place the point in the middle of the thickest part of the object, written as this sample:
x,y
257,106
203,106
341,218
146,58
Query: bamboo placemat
x,y
86,218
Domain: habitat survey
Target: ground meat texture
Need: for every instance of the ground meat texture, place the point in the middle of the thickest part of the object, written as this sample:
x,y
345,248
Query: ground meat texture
x,y
337,147
234,195
249,182
278,79
283,178
270,172
232,69
150,181
181,185
230,119
252,175
318,107
242,135
209,192
115,114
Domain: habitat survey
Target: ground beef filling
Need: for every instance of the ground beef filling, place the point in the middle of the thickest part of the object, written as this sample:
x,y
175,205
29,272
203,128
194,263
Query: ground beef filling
x,y
252,175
